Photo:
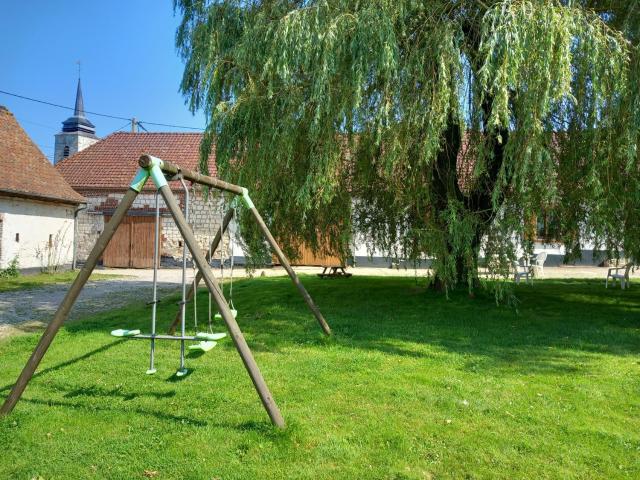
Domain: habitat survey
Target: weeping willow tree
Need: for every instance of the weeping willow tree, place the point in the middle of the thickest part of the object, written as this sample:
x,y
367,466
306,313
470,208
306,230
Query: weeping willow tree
x,y
433,128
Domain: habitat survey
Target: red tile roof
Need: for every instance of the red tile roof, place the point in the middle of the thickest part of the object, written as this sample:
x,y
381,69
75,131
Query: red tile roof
x,y
111,163
26,172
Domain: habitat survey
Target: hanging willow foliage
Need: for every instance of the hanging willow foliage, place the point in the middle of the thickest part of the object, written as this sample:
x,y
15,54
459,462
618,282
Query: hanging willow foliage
x,y
430,128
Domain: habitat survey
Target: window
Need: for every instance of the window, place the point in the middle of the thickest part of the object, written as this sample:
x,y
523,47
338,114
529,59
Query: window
x,y
50,240
65,152
17,237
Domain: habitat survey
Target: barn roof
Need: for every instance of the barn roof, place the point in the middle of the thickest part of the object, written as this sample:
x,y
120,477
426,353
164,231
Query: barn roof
x,y
111,163
26,172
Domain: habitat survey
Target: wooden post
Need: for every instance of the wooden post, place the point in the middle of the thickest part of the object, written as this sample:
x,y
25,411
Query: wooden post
x,y
234,330
287,266
68,301
214,245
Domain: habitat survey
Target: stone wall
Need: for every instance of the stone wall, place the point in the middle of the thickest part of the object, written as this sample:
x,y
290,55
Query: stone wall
x,y
205,218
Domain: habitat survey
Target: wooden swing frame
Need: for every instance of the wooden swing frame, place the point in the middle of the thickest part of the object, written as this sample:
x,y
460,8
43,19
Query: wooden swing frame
x,y
158,170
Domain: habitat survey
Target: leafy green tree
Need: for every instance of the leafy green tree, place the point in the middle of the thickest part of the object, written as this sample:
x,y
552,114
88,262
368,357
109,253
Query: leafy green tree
x,y
429,128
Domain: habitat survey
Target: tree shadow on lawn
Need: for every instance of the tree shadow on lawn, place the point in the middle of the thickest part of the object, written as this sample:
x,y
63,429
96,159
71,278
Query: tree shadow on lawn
x,y
558,326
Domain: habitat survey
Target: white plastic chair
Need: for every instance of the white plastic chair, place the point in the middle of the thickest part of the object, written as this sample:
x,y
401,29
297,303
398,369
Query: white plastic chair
x,y
538,263
614,274
520,271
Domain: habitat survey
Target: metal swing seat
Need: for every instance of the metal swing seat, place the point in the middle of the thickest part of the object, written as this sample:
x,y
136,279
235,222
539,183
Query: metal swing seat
x,y
122,332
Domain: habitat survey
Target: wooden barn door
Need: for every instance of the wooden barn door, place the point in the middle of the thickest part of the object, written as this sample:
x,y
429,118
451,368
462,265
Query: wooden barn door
x,y
132,244
142,241
306,258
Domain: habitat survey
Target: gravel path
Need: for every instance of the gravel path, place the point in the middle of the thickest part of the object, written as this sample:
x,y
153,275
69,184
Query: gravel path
x,y
31,309
40,304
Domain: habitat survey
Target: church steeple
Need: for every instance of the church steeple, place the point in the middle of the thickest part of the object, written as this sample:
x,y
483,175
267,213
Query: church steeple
x,y
78,122
77,131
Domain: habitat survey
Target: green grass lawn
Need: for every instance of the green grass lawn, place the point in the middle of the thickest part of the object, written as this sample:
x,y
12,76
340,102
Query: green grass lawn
x,y
23,282
411,386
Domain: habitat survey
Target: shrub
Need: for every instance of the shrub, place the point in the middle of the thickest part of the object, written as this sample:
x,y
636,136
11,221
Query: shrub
x,y
12,270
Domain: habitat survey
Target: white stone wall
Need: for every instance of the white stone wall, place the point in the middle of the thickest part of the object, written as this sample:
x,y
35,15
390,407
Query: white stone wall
x,y
76,142
205,217
38,233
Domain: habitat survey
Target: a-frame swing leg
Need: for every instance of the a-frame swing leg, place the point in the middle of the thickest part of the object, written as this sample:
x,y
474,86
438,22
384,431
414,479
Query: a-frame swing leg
x,y
287,266
234,330
214,245
68,301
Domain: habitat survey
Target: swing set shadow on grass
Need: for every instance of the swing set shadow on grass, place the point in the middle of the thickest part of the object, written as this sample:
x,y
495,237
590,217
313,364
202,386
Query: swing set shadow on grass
x,y
68,363
160,172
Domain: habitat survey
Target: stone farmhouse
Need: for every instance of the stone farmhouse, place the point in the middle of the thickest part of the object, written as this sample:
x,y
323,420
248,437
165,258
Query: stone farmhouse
x,y
37,205
100,170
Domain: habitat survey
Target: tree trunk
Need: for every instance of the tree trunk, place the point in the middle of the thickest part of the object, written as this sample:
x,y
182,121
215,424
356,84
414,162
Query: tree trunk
x,y
466,270
476,198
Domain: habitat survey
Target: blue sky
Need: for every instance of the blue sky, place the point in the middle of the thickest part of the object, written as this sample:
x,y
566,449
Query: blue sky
x,y
130,66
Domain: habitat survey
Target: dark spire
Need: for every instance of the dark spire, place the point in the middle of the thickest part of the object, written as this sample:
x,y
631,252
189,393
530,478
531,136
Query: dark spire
x,y
79,123
79,110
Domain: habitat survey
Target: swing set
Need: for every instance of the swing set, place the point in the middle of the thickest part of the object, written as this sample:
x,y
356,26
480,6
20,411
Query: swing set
x,y
205,340
160,171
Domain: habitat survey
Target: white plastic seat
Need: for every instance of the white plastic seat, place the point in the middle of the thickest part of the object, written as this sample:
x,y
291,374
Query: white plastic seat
x,y
614,274
520,271
537,262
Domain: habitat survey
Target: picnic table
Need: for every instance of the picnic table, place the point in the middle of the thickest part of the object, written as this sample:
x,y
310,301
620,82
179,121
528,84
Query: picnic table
x,y
334,271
